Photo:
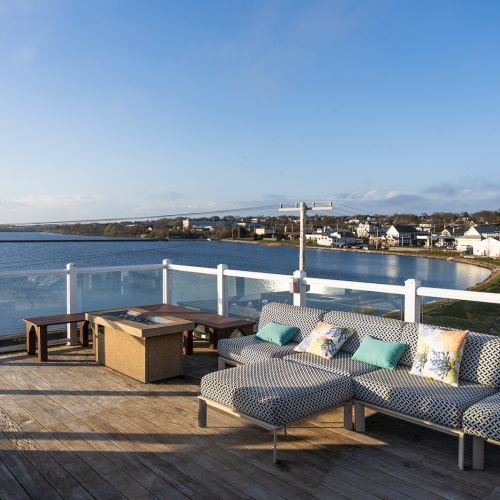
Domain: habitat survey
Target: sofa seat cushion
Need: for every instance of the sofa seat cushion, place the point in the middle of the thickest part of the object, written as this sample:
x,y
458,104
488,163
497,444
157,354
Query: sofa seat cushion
x,y
364,324
276,391
342,363
483,418
304,318
419,397
250,349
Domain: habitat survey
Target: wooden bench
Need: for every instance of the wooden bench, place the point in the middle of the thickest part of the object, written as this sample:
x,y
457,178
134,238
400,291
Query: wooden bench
x,y
219,327
36,331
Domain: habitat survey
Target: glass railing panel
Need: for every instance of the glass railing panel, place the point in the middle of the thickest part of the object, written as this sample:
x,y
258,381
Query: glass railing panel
x,y
462,314
196,291
116,289
28,296
247,296
344,299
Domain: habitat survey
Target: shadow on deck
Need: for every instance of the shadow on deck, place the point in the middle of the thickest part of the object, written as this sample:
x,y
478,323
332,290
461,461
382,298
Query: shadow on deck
x,y
73,429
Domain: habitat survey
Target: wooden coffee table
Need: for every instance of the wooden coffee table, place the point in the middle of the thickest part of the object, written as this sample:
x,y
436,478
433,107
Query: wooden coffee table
x,y
220,327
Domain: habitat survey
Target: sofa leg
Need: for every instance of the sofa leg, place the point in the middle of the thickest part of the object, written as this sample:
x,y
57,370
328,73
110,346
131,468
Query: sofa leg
x,y
202,413
461,451
477,453
275,446
359,416
221,364
348,415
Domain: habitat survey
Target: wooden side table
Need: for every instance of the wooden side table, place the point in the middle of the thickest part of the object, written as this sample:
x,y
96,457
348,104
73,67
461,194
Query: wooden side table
x,y
36,331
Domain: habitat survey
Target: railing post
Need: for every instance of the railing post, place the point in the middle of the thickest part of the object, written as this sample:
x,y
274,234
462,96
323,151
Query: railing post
x,y
167,281
71,300
299,291
413,303
221,290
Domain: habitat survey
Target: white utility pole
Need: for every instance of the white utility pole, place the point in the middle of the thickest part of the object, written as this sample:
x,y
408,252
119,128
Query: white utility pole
x,y
302,207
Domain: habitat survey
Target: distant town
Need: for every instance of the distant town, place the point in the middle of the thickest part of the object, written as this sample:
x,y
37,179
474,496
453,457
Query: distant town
x,y
477,233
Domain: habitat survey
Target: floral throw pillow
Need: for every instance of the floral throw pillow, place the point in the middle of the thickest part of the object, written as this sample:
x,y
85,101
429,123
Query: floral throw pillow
x,y
439,354
325,340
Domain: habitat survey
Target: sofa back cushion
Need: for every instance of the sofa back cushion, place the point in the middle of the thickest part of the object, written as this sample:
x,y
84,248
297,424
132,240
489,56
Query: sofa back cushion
x,y
304,318
365,324
480,360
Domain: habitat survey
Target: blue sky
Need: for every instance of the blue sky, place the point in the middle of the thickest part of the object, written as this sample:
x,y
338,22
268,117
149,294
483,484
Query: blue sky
x,y
120,108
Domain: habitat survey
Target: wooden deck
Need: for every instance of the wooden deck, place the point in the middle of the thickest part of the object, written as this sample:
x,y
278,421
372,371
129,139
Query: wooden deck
x,y
72,429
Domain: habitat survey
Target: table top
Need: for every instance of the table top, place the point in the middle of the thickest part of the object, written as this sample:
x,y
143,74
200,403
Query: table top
x,y
58,319
201,318
166,324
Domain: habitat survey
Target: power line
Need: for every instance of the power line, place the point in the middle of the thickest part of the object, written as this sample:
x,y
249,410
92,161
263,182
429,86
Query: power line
x,y
150,217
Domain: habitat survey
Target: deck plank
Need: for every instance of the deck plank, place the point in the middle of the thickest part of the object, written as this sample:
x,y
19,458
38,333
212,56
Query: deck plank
x,y
94,426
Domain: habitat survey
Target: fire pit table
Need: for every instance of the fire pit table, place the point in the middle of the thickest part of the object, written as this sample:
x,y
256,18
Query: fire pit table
x,y
144,345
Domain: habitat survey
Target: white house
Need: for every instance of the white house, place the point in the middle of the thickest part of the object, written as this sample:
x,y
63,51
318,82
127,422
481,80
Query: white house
x,y
264,231
342,237
402,235
474,235
367,229
489,247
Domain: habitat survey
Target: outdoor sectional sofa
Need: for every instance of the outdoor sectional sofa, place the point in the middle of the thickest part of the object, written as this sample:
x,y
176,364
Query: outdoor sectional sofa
x,y
274,386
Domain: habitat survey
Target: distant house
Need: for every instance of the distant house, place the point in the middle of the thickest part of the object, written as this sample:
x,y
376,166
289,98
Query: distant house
x,y
401,235
342,237
489,247
476,234
204,224
367,229
264,231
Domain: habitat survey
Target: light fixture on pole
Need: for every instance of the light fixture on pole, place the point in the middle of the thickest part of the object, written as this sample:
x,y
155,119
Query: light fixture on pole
x,y
303,207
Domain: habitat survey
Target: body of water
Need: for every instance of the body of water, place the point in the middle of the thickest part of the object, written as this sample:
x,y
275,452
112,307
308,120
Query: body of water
x,y
21,297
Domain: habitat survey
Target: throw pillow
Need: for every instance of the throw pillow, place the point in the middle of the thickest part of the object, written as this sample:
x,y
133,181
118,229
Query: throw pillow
x,y
380,353
439,354
325,340
277,333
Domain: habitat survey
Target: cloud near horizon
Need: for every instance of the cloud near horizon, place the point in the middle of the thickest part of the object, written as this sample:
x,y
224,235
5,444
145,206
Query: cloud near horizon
x,y
470,196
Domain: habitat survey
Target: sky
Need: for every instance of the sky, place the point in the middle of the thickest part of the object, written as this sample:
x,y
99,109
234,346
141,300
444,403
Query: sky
x,y
118,108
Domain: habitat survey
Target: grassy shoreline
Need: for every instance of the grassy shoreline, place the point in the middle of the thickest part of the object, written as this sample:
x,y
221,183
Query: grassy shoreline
x,y
476,316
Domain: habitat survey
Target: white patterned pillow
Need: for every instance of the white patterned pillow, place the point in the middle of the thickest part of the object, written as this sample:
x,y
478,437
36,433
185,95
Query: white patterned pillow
x,y
325,340
439,354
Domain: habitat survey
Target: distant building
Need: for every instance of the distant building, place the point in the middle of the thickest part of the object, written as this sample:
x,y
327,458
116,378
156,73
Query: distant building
x,y
474,235
489,247
367,229
401,235
264,231
342,237
204,224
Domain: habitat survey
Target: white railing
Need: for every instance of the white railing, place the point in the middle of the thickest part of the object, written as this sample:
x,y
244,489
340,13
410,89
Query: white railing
x,y
298,284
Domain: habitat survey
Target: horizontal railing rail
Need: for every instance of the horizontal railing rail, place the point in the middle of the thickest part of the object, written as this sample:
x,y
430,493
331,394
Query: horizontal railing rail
x,y
298,284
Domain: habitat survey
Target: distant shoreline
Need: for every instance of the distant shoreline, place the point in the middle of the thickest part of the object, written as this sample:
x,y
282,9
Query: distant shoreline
x,y
411,252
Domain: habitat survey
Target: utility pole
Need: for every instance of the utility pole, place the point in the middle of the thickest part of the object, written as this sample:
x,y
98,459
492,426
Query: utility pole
x,y
302,207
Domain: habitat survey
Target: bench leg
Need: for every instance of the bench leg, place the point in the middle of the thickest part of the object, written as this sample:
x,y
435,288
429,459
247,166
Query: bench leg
x,y
202,413
461,451
477,453
221,364
275,446
30,339
189,342
41,333
84,333
348,415
359,416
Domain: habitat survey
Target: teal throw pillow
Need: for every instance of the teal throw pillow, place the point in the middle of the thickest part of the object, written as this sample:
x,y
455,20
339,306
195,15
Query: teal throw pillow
x,y
380,353
277,333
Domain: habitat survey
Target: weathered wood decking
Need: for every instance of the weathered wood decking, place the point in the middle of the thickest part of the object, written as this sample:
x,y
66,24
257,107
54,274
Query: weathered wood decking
x,y
70,428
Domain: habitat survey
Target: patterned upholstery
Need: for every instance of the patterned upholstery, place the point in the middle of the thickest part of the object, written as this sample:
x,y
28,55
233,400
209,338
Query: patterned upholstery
x,y
304,318
365,324
480,362
265,390
341,363
250,349
483,418
419,397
